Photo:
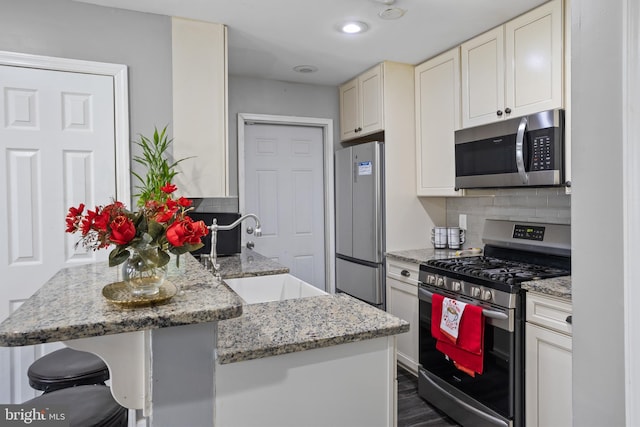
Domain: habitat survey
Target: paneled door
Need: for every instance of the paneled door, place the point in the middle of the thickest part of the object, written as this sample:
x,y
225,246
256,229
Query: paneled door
x,y
284,186
56,150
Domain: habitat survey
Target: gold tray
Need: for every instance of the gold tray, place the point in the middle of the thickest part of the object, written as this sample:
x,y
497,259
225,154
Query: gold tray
x,y
118,293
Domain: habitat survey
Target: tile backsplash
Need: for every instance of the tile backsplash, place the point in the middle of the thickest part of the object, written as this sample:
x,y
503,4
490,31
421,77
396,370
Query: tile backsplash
x,y
216,204
547,205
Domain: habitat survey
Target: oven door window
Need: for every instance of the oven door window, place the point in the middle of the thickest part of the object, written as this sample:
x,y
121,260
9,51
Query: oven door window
x,y
493,387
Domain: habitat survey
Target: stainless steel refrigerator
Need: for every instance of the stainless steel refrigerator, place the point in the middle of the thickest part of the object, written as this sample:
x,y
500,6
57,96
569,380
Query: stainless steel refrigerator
x,y
360,244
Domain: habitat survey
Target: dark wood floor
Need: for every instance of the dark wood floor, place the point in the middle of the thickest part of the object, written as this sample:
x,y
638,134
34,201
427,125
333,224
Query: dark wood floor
x,y
412,410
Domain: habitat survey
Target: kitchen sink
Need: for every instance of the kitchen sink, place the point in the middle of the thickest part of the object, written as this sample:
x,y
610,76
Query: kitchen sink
x,y
276,287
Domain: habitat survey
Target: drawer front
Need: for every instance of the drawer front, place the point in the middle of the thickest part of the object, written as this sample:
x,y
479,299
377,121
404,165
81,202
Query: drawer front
x,y
406,272
549,312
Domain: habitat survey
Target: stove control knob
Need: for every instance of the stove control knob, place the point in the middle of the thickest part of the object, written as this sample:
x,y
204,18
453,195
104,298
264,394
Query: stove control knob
x,y
456,286
486,295
475,292
431,279
440,282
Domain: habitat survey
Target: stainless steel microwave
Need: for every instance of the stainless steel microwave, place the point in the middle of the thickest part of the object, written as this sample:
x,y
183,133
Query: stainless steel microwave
x,y
518,152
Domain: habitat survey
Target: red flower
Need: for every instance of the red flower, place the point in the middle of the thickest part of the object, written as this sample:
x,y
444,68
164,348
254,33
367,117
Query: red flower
x,y
184,202
73,218
122,230
164,215
87,222
101,220
165,221
186,231
168,188
172,204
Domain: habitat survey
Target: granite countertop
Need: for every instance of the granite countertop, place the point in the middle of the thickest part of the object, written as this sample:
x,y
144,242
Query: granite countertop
x,y
273,328
70,305
248,263
558,287
423,254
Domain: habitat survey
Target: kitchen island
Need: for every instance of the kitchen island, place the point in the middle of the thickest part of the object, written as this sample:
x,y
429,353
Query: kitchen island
x,y
169,360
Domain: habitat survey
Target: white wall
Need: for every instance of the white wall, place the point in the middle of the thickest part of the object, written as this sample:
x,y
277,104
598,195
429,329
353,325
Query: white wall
x,y
597,202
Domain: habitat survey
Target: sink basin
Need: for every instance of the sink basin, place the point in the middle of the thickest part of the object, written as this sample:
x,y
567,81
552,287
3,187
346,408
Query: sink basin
x,y
276,287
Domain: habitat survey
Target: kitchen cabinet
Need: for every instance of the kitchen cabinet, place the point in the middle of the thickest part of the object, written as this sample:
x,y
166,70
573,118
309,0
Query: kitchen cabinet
x,y
548,361
437,98
200,133
361,104
402,302
515,69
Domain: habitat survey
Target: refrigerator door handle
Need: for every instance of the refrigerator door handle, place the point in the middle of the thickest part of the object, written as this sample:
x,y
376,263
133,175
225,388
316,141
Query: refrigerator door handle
x,y
355,171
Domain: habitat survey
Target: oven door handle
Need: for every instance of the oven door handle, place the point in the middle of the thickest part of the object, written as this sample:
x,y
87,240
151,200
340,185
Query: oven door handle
x,y
425,295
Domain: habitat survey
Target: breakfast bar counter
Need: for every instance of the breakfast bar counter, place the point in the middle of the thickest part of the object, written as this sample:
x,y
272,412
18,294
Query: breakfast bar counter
x,y
71,305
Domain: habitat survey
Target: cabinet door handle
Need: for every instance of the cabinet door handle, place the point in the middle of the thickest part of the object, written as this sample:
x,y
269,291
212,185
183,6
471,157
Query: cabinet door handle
x,y
507,110
499,113
405,273
569,320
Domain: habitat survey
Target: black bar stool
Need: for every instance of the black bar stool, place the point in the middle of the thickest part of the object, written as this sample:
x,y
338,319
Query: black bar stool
x,y
67,368
86,405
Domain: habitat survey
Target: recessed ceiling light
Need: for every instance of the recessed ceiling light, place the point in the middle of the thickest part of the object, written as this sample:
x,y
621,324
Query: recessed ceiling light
x,y
305,69
354,27
391,13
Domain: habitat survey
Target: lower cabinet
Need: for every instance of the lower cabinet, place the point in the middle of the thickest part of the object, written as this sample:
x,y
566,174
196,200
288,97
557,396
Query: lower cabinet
x,y
402,301
548,362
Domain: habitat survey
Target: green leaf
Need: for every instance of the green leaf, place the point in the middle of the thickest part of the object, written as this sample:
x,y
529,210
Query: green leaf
x,y
179,250
118,256
163,257
155,229
158,169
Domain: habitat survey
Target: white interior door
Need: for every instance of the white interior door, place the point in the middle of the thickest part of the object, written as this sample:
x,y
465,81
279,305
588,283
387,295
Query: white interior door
x,y
284,186
57,150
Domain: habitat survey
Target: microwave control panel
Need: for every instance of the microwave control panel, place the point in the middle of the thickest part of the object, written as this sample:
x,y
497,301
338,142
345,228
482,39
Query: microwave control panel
x,y
542,153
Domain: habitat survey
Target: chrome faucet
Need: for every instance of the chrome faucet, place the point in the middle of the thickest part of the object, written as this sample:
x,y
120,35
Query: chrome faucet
x,y
214,227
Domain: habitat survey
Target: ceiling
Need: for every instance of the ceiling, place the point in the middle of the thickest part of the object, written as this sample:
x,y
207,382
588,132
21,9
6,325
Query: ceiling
x,y
268,38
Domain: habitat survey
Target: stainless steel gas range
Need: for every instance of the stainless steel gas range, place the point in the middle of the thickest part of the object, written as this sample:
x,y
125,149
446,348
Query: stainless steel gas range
x,y
514,252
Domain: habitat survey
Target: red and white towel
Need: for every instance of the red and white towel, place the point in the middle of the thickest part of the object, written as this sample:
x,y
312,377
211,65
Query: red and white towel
x,y
459,332
452,311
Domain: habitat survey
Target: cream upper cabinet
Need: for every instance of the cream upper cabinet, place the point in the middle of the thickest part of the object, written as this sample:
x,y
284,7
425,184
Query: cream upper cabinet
x,y
548,361
361,104
437,83
200,133
515,69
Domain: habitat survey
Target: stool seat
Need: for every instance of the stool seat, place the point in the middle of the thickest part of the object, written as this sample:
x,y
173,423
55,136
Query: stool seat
x,y
67,368
86,405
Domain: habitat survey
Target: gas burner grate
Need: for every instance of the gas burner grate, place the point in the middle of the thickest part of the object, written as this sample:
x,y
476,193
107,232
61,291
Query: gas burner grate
x,y
496,269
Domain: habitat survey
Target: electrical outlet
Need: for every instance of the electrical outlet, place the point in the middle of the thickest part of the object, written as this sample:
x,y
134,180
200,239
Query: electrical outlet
x,y
462,221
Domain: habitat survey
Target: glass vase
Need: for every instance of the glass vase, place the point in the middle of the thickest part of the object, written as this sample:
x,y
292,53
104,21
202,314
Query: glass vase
x,y
143,271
